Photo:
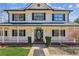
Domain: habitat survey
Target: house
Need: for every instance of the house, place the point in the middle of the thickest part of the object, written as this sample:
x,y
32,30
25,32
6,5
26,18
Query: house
x,y
37,21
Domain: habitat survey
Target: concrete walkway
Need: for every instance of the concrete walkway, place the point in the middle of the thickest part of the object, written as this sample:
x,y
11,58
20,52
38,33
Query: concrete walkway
x,y
38,49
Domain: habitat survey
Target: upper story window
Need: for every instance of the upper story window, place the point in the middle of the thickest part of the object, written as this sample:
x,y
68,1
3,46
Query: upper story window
x,y
18,17
38,16
58,17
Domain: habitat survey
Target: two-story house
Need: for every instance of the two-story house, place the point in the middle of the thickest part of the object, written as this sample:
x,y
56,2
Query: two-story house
x,y
38,20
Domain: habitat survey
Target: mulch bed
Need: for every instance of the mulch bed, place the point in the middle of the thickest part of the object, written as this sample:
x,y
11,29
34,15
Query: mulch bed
x,y
14,45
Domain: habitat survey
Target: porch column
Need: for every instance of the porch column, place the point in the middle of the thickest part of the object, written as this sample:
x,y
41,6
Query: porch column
x,y
74,31
2,34
17,34
59,34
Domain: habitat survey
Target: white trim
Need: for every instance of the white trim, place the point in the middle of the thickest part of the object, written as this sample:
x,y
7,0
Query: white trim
x,y
2,35
18,35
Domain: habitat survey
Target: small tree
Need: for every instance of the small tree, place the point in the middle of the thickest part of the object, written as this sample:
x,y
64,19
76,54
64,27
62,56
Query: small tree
x,y
74,35
77,20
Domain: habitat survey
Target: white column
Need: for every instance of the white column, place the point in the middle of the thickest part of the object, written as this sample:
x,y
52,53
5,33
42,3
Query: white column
x,y
18,35
2,35
74,31
59,34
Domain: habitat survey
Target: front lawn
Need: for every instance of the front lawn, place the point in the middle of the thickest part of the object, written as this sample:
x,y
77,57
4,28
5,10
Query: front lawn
x,y
14,51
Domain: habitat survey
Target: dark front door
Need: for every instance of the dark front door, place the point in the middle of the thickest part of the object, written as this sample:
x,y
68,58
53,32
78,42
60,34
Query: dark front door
x,y
39,35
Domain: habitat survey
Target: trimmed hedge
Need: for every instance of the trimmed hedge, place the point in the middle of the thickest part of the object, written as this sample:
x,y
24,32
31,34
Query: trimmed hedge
x,y
48,41
30,41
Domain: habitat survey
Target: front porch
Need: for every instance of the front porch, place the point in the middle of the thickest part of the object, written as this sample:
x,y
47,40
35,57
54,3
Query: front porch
x,y
23,32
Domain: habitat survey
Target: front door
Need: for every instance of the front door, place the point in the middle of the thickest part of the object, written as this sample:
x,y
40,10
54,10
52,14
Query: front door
x,y
38,35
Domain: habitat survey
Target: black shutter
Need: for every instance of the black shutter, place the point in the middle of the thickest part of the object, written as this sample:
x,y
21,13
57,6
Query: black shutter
x,y
32,16
63,32
63,17
24,17
44,16
52,17
52,32
5,33
24,33
12,17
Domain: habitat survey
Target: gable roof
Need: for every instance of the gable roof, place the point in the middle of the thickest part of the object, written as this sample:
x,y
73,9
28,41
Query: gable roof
x,y
44,7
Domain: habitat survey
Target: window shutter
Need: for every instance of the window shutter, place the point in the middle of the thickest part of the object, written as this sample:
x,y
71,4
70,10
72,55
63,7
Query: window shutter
x,y
24,17
12,17
32,16
5,33
52,32
44,16
64,17
52,17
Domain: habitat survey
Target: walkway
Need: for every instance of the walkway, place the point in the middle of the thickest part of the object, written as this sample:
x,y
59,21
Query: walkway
x,y
38,49
56,51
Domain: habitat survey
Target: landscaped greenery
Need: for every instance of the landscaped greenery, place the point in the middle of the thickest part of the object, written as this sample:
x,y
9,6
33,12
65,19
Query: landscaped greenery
x,y
14,51
29,41
77,20
48,41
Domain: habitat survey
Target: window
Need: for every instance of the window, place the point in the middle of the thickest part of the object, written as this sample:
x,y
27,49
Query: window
x,y
55,32
38,16
14,33
21,32
58,17
62,32
5,33
58,32
18,17
38,5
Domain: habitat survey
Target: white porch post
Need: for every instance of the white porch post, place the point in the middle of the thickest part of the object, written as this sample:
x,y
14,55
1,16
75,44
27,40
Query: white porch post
x,y
17,34
59,34
74,31
3,35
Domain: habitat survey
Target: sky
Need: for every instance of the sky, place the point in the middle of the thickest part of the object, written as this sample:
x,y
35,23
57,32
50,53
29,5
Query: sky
x,y
70,6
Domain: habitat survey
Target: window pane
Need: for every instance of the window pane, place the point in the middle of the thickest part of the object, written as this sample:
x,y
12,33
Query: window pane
x,y
38,16
18,17
21,32
62,32
58,17
14,33
55,33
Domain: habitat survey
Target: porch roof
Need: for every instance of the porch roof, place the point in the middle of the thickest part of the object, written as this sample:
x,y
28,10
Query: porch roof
x,y
37,24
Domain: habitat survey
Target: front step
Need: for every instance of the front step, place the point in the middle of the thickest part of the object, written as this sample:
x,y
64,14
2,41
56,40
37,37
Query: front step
x,y
38,42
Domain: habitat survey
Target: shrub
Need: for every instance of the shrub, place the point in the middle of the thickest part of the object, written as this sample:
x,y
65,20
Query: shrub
x,y
14,45
63,45
29,41
48,41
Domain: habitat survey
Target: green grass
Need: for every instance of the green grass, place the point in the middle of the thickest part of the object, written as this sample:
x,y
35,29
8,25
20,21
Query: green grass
x,y
14,51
